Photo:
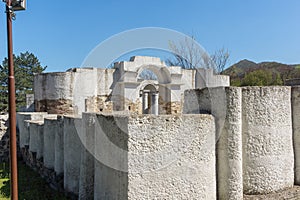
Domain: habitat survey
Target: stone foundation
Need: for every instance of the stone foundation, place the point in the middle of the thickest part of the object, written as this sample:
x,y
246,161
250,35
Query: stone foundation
x,y
59,106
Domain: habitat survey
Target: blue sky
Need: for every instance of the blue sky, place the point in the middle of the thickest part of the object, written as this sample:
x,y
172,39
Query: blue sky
x,y
62,33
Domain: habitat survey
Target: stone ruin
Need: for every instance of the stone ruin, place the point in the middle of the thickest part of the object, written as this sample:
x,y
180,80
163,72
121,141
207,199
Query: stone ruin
x,y
187,135
121,88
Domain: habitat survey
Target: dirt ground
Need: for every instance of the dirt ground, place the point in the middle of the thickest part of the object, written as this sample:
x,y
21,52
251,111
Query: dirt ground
x,y
292,193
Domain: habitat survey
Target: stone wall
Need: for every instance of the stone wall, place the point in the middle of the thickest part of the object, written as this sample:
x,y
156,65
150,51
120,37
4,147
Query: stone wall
x,y
230,141
105,157
171,157
255,136
4,139
96,90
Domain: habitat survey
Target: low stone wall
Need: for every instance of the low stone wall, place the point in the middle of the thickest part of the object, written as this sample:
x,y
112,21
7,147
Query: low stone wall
x,y
36,151
112,157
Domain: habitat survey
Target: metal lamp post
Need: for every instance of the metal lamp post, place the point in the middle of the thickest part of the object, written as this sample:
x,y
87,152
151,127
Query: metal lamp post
x,y
11,6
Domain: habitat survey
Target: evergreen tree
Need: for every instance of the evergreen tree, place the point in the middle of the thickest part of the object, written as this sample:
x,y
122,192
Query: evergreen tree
x,y
25,66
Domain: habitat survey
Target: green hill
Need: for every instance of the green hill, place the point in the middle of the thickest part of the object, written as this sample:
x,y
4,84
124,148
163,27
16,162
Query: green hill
x,y
246,72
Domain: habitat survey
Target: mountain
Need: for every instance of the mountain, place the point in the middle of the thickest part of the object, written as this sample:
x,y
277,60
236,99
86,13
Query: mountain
x,y
241,69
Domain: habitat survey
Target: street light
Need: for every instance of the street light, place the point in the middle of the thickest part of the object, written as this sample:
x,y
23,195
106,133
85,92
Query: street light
x,y
18,5
11,6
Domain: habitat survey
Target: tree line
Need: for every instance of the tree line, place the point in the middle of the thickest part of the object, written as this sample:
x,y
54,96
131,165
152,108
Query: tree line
x,y
25,66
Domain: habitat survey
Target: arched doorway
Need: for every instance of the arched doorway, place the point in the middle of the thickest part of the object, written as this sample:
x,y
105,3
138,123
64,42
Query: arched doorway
x,y
150,99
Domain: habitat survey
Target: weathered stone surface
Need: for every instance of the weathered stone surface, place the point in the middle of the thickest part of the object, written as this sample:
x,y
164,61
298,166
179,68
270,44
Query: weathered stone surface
x,y
225,104
36,129
59,106
50,128
229,146
296,130
87,164
268,159
161,157
59,146
72,154
23,125
111,177
171,157
119,89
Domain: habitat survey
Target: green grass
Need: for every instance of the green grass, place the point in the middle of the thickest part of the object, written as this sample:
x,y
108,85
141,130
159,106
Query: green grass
x,y
31,185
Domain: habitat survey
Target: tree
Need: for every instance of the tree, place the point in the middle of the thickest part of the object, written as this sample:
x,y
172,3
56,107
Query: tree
x,y
220,58
25,66
261,78
189,55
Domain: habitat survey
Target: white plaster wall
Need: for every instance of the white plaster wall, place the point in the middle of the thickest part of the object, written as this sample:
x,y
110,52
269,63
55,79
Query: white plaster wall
x,y
72,154
87,164
131,92
23,125
111,177
40,142
171,157
105,81
35,128
53,86
85,85
136,61
206,78
188,79
50,128
296,130
176,93
197,101
59,146
268,158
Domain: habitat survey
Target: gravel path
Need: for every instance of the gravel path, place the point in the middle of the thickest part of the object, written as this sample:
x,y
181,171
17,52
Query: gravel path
x,y
292,193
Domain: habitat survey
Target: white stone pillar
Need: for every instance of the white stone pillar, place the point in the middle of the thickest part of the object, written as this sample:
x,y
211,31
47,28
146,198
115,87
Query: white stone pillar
x,y
154,103
145,102
229,146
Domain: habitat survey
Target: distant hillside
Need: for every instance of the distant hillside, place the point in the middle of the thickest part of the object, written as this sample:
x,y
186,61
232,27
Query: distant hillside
x,y
245,68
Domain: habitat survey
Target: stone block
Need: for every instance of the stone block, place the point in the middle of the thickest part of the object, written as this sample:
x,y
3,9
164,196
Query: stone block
x,y
155,157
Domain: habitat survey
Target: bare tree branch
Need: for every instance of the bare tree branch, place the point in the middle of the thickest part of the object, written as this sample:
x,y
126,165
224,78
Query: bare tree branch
x,y
220,58
189,55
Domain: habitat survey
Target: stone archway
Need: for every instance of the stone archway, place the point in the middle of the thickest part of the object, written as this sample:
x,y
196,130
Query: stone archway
x,y
131,90
159,99
162,73
150,100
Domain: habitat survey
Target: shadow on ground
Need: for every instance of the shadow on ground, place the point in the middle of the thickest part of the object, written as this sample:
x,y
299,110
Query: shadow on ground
x,y
31,185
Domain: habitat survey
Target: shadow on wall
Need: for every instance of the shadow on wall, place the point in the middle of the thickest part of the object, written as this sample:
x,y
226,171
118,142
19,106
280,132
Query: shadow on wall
x,y
4,139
